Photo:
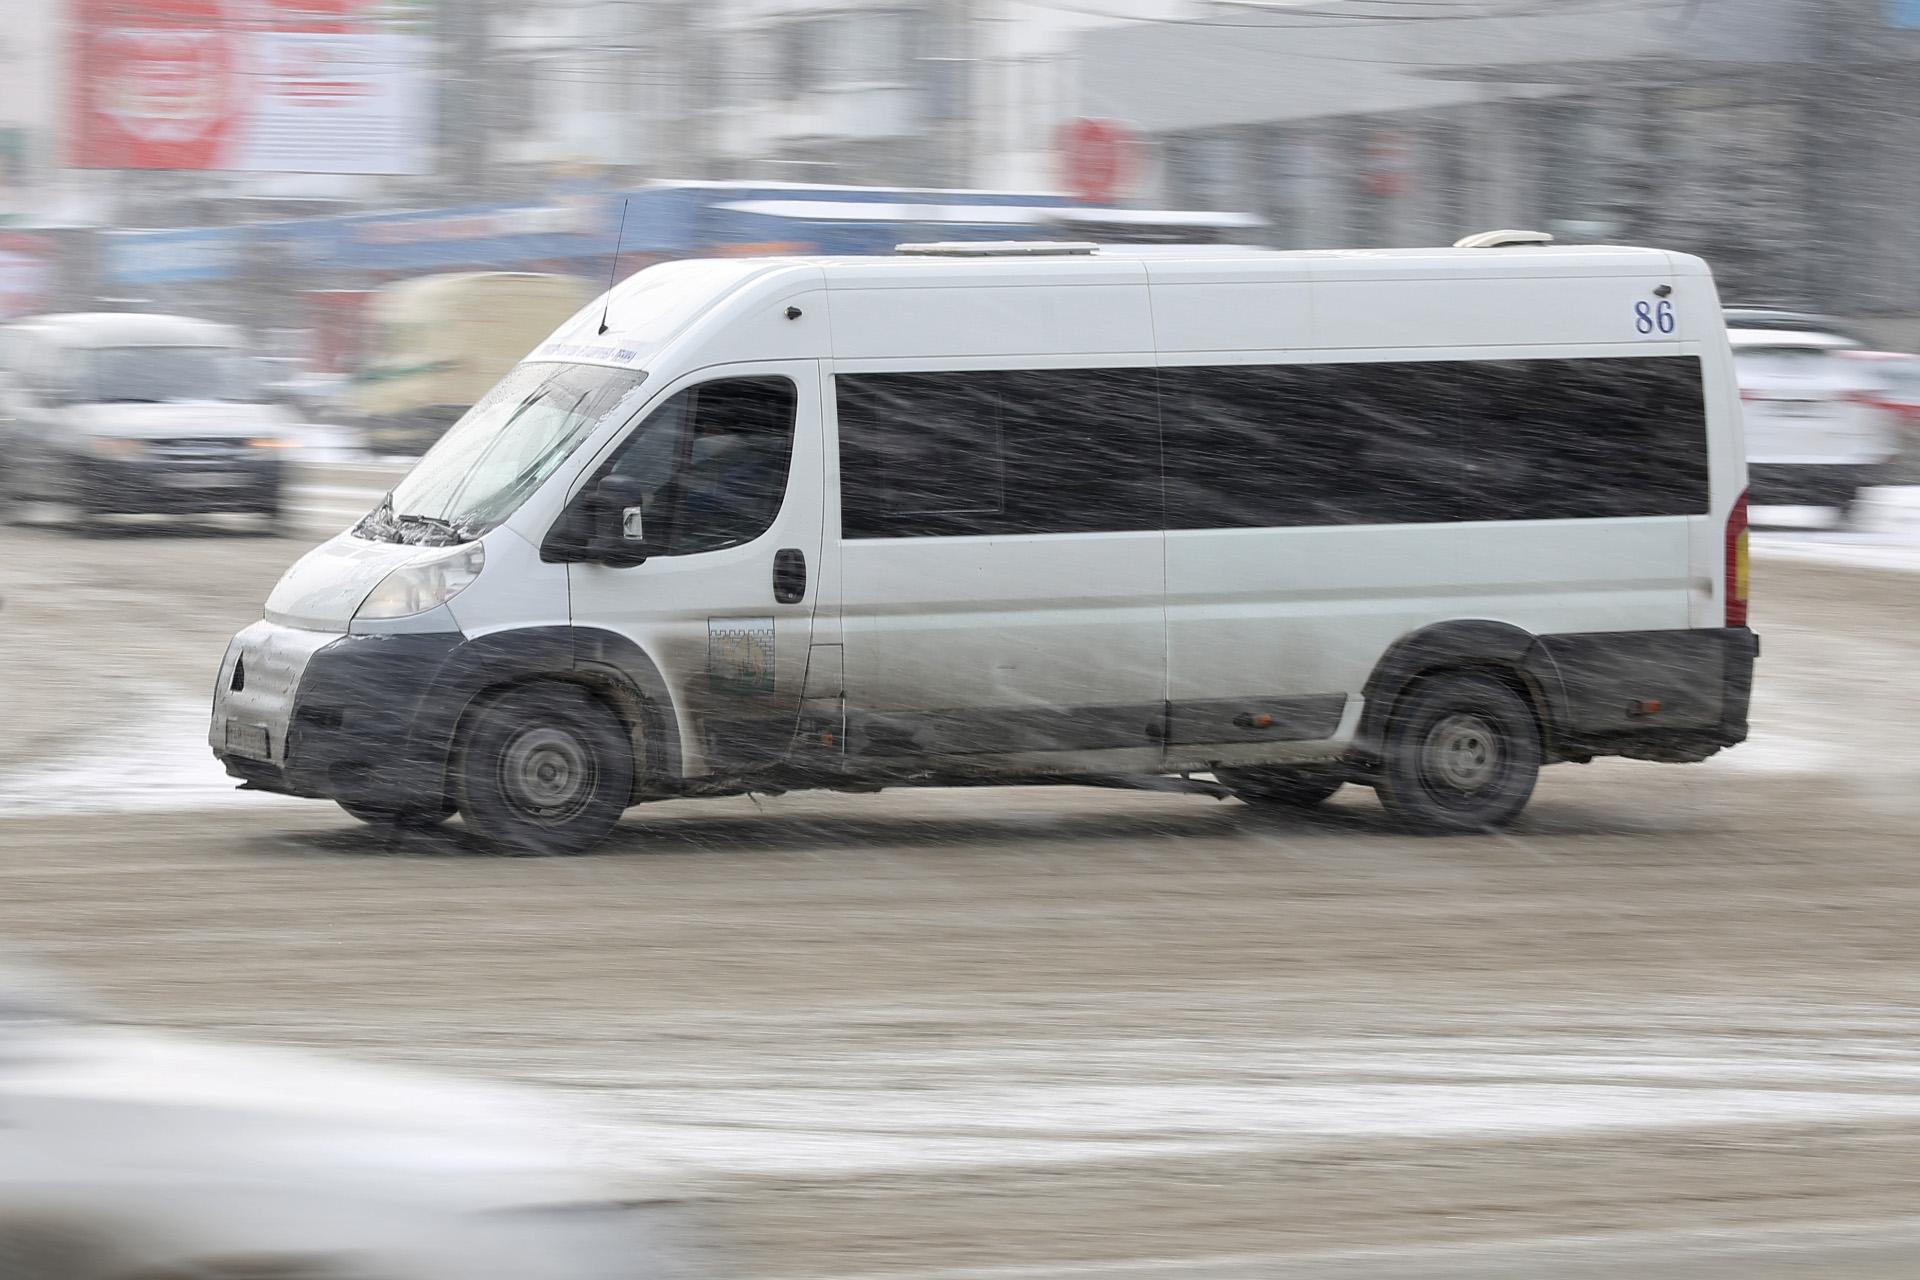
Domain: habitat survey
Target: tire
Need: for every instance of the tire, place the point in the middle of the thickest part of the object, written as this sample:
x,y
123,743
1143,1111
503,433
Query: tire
x,y
273,521
1846,508
1280,786
544,769
403,819
1463,753
15,509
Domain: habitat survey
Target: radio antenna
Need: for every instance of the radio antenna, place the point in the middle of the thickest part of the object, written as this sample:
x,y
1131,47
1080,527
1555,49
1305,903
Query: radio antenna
x,y
613,271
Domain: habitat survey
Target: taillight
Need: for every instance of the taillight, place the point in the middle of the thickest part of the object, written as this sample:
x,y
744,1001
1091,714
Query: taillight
x,y
1738,571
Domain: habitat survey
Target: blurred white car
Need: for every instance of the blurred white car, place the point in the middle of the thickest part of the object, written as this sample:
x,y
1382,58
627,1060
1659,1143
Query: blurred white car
x,y
130,1155
1814,432
1898,393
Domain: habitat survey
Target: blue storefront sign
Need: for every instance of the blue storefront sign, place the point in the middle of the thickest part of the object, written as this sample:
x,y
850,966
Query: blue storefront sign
x,y
580,223
1903,13
837,220
173,257
565,225
557,228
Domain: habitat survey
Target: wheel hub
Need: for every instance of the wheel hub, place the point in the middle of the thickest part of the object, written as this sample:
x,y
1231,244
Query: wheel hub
x,y
546,772
1463,753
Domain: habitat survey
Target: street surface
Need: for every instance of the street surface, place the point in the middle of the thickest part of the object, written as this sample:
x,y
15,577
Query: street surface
x,y
1668,1025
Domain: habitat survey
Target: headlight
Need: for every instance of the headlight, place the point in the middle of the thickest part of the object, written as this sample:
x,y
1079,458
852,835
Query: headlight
x,y
424,584
271,442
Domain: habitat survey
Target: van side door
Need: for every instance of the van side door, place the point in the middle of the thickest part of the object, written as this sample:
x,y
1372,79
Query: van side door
x,y
1001,567
722,474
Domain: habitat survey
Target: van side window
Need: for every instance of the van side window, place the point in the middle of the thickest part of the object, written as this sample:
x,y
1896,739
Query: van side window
x,y
1252,446
998,452
713,462
1582,439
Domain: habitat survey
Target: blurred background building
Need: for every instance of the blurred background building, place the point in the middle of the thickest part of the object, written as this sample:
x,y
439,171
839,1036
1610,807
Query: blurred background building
x,y
233,154
1775,137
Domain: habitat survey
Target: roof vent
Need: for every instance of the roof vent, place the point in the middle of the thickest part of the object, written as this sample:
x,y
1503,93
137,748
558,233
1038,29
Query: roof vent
x,y
1000,249
1502,239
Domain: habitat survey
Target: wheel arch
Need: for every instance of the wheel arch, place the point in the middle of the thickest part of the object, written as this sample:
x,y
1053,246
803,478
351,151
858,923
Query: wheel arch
x,y
608,666
1511,653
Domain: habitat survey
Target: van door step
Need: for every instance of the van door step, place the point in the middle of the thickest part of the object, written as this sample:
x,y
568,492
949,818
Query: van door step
x,y
1156,782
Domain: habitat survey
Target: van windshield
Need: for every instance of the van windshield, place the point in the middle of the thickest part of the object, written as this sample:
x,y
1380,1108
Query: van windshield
x,y
499,452
156,374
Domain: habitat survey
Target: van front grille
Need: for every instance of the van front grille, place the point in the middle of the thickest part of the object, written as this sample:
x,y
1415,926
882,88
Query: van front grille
x,y
196,448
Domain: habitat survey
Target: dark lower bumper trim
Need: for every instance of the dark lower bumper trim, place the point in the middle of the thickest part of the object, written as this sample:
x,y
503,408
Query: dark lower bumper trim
x,y
1679,694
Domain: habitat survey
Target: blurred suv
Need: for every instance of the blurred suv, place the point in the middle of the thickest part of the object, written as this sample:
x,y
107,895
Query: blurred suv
x,y
104,413
1814,434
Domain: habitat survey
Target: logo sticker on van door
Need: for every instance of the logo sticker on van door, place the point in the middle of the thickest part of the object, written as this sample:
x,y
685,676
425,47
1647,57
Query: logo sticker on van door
x,y
740,655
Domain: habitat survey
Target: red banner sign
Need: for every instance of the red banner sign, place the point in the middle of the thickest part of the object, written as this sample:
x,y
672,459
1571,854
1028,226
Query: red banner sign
x,y
258,85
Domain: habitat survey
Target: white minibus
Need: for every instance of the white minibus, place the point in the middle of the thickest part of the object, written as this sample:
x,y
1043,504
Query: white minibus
x,y
1230,520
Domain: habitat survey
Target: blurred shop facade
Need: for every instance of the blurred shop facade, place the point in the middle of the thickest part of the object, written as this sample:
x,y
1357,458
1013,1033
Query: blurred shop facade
x,y
278,163
1780,139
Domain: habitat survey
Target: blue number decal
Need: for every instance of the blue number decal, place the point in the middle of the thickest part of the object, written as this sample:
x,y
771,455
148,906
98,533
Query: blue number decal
x,y
1647,317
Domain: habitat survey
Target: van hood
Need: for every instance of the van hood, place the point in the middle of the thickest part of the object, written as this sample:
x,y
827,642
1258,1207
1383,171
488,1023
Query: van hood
x,y
324,588
178,419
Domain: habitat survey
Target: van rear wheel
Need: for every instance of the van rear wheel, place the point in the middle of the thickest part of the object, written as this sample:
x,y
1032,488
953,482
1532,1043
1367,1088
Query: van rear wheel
x,y
1462,755
544,769
1280,786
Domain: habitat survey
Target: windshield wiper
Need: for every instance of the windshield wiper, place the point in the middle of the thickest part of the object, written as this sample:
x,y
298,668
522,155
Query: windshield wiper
x,y
465,527
384,524
457,530
379,524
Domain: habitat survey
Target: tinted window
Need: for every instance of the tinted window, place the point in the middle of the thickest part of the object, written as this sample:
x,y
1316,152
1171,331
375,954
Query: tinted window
x,y
998,452
1580,439
153,374
1430,442
712,463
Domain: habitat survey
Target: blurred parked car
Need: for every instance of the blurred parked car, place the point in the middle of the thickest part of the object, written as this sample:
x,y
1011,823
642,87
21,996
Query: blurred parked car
x,y
122,413
1813,433
441,342
126,1153
1897,374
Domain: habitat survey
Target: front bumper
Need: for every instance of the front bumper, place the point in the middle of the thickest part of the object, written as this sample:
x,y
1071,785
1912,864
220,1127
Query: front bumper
x,y
241,481
332,716
1811,483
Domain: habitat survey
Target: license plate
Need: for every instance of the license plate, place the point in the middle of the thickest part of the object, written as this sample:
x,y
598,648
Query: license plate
x,y
249,740
208,480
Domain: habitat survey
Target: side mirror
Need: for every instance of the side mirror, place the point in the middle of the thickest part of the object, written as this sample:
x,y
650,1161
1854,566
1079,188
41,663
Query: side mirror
x,y
616,529
603,525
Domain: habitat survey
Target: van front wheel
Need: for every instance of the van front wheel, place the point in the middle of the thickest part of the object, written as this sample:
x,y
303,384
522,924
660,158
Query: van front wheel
x,y
545,769
1463,755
